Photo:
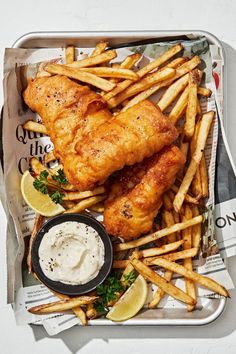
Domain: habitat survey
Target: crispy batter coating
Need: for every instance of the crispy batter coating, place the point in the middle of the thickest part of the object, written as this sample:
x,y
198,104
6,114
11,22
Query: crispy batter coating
x,y
136,193
123,140
68,110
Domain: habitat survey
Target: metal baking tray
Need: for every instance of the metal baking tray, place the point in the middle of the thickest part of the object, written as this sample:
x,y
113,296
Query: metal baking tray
x,y
212,308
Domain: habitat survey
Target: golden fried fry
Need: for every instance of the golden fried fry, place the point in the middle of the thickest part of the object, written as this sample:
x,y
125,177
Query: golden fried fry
x,y
80,75
179,108
157,235
159,294
200,279
196,229
63,305
85,203
78,311
145,83
155,251
99,49
204,177
83,195
70,55
145,70
204,91
167,202
196,158
49,157
112,72
98,208
187,237
172,92
91,311
94,60
38,222
161,282
191,110
35,127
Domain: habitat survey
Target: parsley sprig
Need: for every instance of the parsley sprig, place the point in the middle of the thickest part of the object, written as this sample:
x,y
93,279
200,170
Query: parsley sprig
x,y
110,290
60,177
41,184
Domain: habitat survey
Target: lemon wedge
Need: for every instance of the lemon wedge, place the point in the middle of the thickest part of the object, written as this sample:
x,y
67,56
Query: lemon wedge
x,y
130,302
40,203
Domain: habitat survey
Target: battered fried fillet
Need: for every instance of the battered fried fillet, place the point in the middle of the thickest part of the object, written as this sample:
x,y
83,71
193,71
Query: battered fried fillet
x,y
123,140
136,194
67,109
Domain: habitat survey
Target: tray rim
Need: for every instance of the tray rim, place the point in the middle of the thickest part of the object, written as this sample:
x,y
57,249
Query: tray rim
x,y
36,35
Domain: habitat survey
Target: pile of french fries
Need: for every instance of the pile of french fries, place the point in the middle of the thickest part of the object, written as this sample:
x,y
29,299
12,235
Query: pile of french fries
x,y
178,238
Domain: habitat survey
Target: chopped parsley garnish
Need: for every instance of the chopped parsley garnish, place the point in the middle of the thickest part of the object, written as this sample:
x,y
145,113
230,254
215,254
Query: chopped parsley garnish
x,y
60,177
41,184
110,290
130,278
57,197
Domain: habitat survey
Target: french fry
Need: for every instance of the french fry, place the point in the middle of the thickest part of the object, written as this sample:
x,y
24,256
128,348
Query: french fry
x,y
204,177
85,203
99,49
62,305
70,54
177,220
77,310
196,158
80,75
83,195
187,237
91,311
172,92
196,185
145,70
38,222
112,72
49,157
206,92
161,282
98,208
145,83
167,202
197,278
41,72
169,220
160,60
188,197
35,127
157,235
159,294
155,251
196,229
191,111
127,63
94,60
68,204
175,256
180,71
180,106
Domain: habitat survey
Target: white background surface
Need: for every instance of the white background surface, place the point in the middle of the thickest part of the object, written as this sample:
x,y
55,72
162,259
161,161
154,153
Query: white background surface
x,y
219,17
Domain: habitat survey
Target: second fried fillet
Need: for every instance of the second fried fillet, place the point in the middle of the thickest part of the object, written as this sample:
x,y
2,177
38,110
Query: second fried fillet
x,y
136,193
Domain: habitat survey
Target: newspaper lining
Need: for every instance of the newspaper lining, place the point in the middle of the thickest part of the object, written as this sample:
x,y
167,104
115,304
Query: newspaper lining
x,y
23,290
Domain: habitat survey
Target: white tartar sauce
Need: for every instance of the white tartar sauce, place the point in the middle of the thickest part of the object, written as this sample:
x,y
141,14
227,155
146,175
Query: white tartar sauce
x,y
71,253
